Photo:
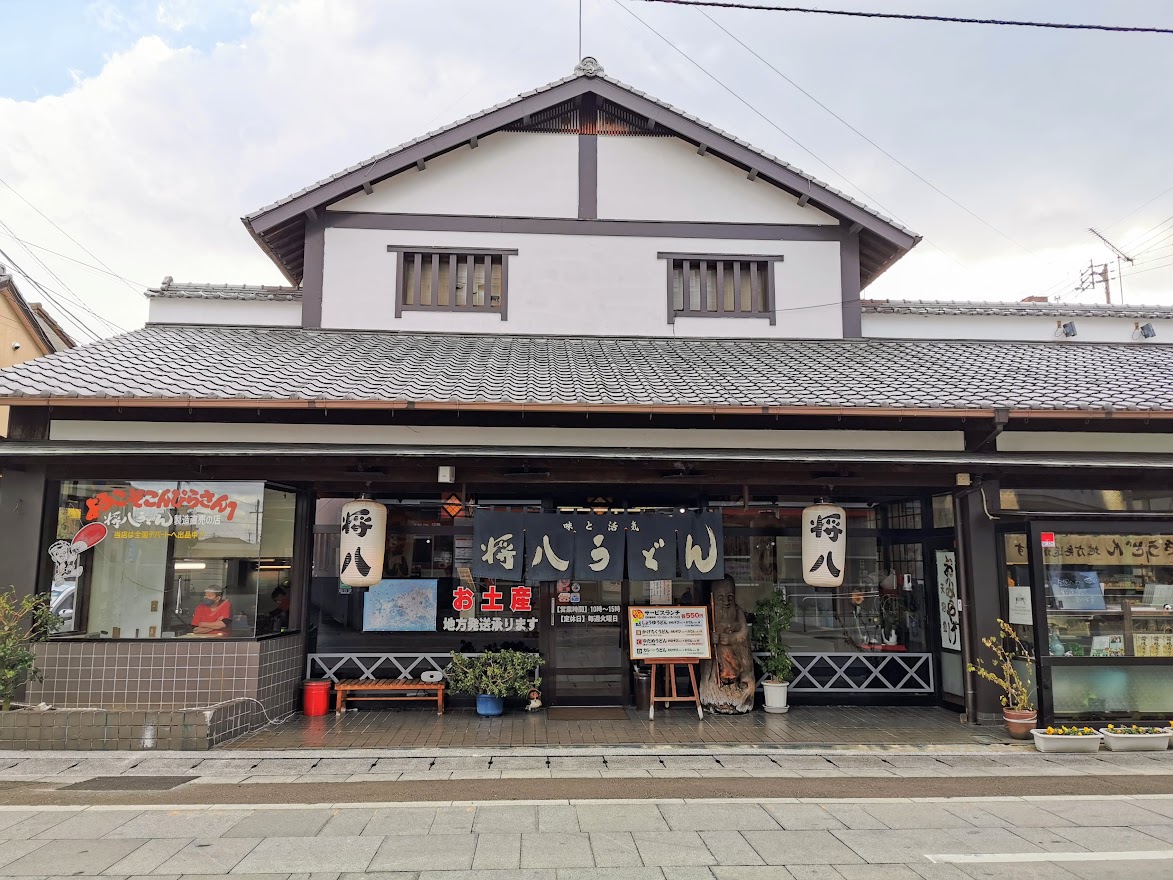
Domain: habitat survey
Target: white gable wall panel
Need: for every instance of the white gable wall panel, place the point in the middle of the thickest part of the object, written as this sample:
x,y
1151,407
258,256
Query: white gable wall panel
x,y
509,174
579,284
664,178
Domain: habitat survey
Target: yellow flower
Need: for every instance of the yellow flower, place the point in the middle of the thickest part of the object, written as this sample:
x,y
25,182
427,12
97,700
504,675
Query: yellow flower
x,y
1111,726
1050,730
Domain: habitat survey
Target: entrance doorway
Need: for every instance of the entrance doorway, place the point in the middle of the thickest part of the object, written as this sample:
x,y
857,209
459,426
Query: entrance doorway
x,y
585,650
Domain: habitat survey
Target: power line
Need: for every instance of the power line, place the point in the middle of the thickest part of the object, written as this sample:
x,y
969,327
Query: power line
x,y
728,4
45,292
55,225
28,244
914,173
1139,208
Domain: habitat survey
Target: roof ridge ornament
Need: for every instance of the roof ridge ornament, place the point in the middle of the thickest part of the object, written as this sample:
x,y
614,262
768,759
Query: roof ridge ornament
x,y
589,66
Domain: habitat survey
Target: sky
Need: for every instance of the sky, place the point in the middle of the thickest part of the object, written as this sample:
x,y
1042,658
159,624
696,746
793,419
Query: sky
x,y
135,134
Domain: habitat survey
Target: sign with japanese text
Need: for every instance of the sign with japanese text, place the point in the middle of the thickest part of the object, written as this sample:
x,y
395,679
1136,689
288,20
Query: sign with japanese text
x,y
824,545
947,597
659,633
549,546
498,545
598,548
700,542
660,592
363,543
516,625
651,548
589,615
131,499
1092,550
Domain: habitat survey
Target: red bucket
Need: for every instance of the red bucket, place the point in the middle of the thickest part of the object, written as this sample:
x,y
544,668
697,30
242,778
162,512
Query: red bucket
x,y
316,698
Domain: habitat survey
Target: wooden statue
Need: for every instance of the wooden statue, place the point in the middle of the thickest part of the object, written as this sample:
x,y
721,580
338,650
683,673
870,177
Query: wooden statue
x,y
727,681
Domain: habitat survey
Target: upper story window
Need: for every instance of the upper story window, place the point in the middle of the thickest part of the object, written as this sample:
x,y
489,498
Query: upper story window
x,y
720,286
452,280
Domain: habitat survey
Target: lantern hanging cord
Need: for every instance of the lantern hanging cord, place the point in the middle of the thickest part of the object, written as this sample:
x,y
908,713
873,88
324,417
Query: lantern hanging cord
x,y
899,16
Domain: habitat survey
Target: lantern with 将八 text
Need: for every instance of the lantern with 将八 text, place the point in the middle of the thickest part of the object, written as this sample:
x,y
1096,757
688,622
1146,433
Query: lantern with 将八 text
x,y
364,541
824,545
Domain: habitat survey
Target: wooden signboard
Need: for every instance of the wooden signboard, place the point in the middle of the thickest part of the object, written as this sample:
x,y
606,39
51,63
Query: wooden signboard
x,y
657,632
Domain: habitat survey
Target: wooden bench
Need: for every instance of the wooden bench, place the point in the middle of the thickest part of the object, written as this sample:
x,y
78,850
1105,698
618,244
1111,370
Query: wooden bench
x,y
387,689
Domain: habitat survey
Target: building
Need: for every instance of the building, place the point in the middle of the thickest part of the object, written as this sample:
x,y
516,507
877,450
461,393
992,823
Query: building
x,y
586,303
26,331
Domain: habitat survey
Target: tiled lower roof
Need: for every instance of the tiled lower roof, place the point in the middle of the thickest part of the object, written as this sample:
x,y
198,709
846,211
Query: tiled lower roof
x,y
183,290
176,364
1015,309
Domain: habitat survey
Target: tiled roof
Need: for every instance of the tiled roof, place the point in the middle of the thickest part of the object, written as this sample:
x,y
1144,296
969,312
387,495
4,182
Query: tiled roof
x,y
181,363
549,87
173,290
1015,309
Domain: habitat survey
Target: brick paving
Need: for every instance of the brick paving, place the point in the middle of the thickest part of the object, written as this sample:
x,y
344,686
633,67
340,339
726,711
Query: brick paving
x,y
807,726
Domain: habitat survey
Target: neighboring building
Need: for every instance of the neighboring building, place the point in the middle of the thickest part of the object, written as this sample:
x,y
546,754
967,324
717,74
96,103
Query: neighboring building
x,y
26,332
585,301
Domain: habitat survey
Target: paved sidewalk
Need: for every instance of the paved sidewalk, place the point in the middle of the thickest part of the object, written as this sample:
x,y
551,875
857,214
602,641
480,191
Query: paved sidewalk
x,y
463,728
387,765
772,839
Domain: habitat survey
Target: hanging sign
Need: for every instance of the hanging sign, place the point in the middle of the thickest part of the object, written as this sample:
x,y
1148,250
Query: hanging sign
x,y
700,543
498,545
680,632
1021,611
651,548
364,540
549,546
949,602
824,545
598,548
660,592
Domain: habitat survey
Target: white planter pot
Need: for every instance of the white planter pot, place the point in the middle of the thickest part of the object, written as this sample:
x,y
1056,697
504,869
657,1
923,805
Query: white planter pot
x,y
775,692
1054,742
1136,742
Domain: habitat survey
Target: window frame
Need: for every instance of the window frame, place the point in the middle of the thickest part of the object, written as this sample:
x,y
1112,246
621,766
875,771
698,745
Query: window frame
x,y
686,259
478,254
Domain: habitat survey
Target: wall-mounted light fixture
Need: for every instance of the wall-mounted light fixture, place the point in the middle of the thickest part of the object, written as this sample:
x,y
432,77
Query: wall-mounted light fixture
x,y
1147,331
1069,329
190,566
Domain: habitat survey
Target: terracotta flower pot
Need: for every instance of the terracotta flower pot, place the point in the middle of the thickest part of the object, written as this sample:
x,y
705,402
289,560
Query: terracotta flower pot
x,y
1019,723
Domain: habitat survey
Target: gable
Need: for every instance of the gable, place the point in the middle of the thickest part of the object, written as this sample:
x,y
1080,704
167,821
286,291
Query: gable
x,y
514,174
665,178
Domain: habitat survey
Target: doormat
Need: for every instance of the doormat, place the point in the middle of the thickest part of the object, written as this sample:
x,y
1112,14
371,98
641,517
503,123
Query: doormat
x,y
128,783
586,713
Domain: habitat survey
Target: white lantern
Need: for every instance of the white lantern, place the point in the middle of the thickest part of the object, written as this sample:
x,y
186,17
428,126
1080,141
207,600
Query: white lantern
x,y
364,539
824,545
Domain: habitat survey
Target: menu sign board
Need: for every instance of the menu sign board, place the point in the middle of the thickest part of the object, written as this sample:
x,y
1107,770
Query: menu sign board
x,y
656,632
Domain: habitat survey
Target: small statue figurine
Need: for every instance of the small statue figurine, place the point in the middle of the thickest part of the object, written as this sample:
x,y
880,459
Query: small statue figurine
x,y
535,700
727,682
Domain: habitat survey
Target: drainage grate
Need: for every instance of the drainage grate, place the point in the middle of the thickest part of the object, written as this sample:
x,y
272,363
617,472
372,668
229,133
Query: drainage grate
x,y
129,783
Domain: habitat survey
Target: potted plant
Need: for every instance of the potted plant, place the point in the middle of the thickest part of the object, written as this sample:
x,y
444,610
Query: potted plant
x,y
1135,738
23,622
492,676
1017,709
771,623
1067,739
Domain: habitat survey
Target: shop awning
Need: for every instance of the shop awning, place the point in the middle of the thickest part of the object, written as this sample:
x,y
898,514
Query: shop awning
x,y
18,452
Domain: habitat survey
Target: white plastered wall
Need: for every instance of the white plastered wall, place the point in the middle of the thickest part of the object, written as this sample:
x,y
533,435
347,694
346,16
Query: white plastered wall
x,y
579,284
664,178
1074,441
509,174
1018,328
224,312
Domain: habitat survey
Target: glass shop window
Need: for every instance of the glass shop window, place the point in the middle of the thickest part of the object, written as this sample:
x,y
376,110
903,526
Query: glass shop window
x,y
143,559
881,606
1108,595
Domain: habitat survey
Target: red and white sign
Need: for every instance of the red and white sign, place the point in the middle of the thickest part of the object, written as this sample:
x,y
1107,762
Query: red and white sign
x,y
1047,539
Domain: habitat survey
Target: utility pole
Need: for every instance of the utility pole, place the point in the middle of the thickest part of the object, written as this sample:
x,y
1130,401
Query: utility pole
x,y
1093,275
1120,255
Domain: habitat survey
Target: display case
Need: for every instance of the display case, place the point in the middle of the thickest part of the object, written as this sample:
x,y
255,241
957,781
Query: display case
x,y
1103,615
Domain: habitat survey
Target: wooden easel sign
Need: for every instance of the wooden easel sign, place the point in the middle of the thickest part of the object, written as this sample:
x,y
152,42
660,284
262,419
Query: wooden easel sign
x,y
665,637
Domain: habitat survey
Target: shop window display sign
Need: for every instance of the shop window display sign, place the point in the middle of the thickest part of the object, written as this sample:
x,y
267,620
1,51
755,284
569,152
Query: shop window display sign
x,y
657,632
400,606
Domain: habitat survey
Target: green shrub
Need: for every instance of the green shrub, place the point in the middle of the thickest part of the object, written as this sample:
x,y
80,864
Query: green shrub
x,y
495,673
23,622
772,619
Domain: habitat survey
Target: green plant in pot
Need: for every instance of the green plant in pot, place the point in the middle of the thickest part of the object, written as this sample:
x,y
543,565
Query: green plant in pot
x,y
492,676
24,621
772,618
1018,711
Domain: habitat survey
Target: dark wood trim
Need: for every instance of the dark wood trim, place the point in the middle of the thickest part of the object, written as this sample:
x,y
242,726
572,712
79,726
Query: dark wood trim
x,y
588,158
479,251
472,257
28,423
571,226
715,257
718,310
850,286
312,274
